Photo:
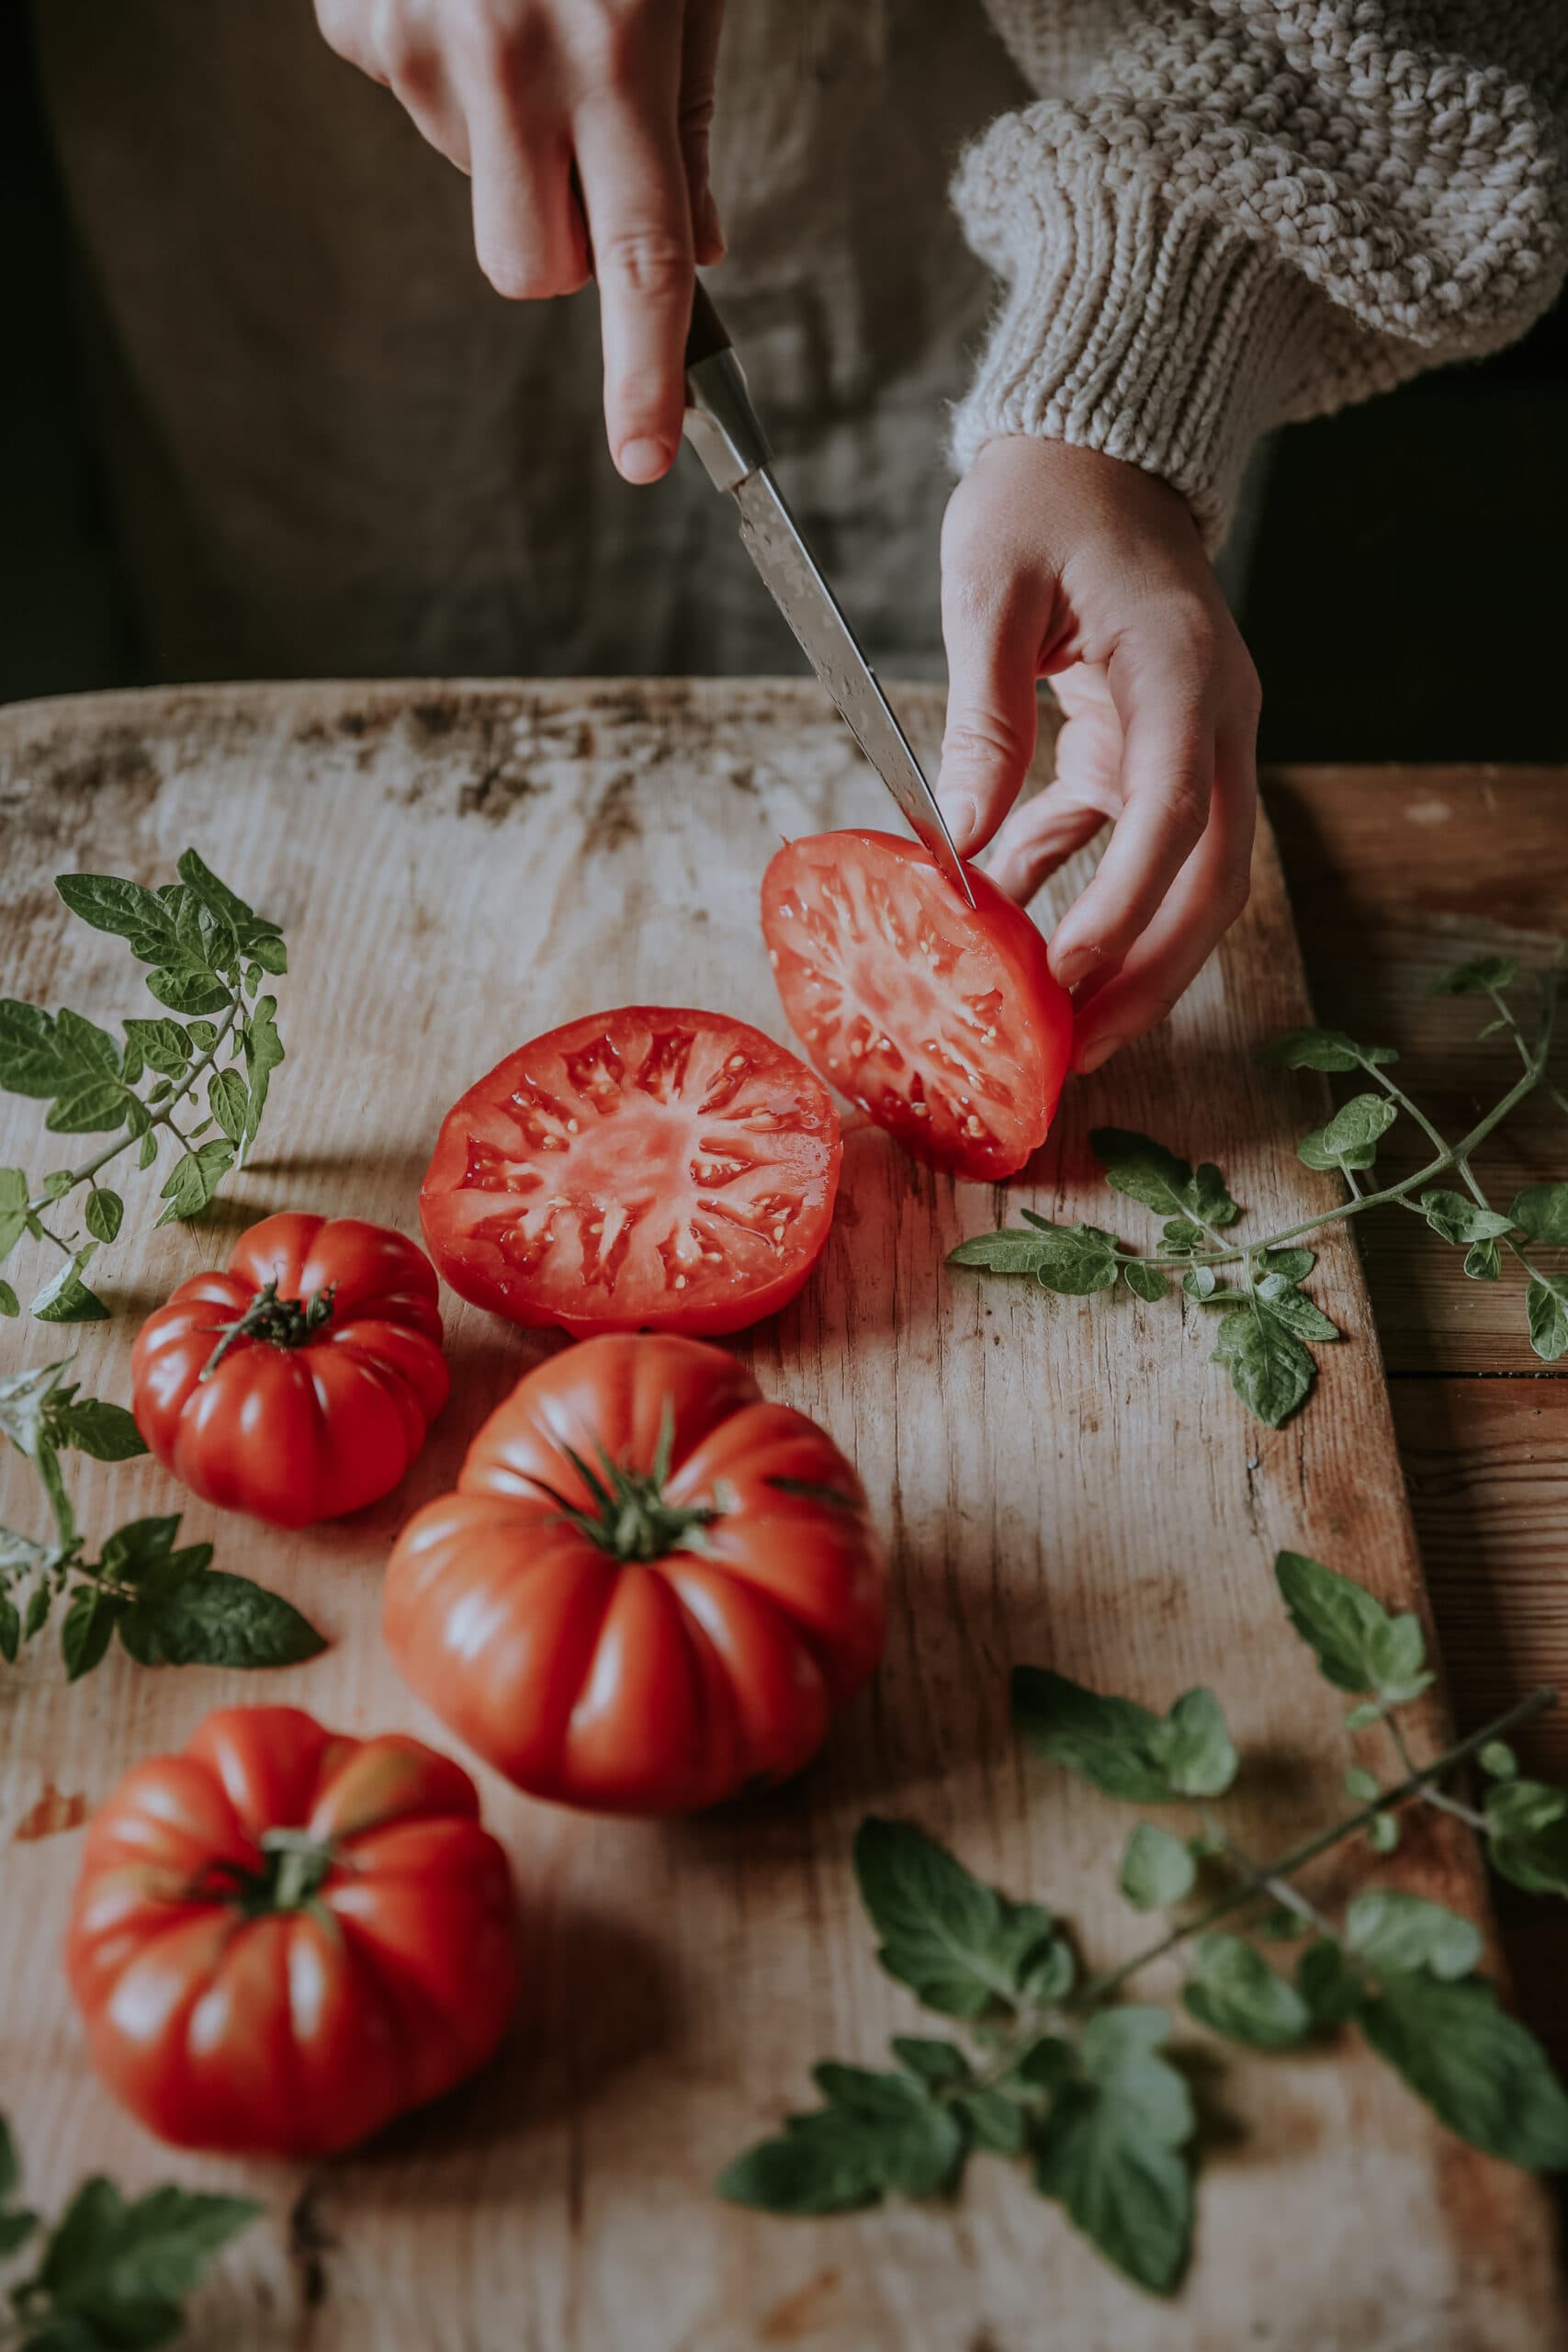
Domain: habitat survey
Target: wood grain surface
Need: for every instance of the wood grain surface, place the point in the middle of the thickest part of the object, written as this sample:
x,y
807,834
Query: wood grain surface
x,y
1067,1483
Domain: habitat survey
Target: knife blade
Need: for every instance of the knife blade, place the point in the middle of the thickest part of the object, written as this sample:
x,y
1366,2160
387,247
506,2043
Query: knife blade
x,y
723,428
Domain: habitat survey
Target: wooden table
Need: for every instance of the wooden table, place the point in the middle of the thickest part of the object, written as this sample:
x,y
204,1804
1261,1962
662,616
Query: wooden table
x,y
1394,874
461,867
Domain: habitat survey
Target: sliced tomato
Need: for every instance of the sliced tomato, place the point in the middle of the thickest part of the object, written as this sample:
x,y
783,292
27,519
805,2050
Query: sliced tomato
x,y
941,1020
652,1168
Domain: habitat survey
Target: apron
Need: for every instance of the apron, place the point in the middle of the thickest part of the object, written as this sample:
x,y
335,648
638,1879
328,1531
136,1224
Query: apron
x,y
334,451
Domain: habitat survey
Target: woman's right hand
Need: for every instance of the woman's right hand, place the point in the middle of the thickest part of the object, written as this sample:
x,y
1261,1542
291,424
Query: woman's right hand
x,y
583,126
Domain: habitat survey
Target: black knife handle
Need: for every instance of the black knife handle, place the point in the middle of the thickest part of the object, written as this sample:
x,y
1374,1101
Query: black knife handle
x,y
708,335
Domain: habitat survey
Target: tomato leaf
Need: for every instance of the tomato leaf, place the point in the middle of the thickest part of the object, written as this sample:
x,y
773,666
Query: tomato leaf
x,y
1146,1282
1359,1646
263,1051
106,1431
1540,1210
137,915
1328,1049
195,1179
66,1297
190,989
13,1208
876,2132
1234,1992
1527,1823
1546,1305
162,1045
1156,1868
1110,2149
1075,1259
1146,1171
1270,1369
10,1304
112,2273
87,1630
1484,1263
1483,2072
1331,1988
1454,1216
229,1098
205,1617
1350,1139
1478,972
963,1948
105,1212
1390,1931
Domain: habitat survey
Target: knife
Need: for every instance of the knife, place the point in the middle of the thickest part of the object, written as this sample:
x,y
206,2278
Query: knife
x,y
721,425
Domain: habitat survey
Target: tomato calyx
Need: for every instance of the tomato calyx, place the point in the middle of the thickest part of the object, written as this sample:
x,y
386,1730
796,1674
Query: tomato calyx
x,y
295,1866
282,1322
629,1516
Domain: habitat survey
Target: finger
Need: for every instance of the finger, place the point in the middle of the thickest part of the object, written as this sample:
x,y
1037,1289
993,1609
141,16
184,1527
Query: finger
x,y
639,219
1209,894
992,627
1040,836
528,230
1163,702
699,66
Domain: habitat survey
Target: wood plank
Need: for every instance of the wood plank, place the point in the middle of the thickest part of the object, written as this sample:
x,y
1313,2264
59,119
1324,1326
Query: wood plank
x,y
1396,874
1064,1482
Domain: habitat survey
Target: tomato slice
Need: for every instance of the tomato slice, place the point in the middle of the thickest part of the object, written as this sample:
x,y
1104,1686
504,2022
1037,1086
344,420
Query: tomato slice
x,y
652,1169
941,1020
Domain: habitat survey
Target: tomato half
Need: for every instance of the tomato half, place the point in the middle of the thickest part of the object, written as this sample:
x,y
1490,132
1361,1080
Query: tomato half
x,y
941,1020
281,1938
301,1383
651,1590
652,1168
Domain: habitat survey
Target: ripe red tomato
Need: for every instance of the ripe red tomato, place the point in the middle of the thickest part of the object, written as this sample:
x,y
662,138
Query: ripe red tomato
x,y
650,1589
646,1170
942,1021
282,1938
299,1385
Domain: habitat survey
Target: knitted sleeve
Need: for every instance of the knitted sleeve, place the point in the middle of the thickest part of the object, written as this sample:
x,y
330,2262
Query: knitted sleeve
x,y
1244,211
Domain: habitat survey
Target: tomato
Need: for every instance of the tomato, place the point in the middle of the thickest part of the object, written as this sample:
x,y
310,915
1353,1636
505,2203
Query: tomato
x,y
282,1938
299,1383
941,1020
650,1168
651,1588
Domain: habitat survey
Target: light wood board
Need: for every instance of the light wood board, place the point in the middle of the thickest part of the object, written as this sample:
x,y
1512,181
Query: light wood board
x,y
1066,1483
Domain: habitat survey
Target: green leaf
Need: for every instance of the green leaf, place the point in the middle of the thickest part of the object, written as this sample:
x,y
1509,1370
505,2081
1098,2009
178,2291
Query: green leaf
x,y
1528,1831
87,1107
1364,1717
1270,1369
1483,1261
1484,2073
1321,1049
106,1431
24,1402
253,932
106,1213
229,1099
1146,1282
209,1618
162,1045
1199,1283
1479,972
1542,1212
1330,1987
1295,1265
961,1946
1390,1930
190,991
88,1631
10,2163
40,1602
933,2062
1110,2148
1107,1740
1234,1991
1192,1746
1006,1252
1156,1868
1382,1833
149,1151
1546,1303
10,1303
1294,1309
1498,1759
1359,1646
10,1628
13,1208
1146,1171
133,914
112,2262
878,2132
1365,1787
993,2120
263,1051
1350,1139
195,1179
1454,1216
1074,1259
65,1299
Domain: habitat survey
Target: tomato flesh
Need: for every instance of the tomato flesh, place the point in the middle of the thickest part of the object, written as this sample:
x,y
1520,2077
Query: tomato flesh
x,y
941,1020
653,1168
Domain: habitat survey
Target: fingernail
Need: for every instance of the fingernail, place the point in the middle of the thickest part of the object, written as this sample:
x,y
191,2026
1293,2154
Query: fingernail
x,y
1075,964
643,459
963,814
1098,1050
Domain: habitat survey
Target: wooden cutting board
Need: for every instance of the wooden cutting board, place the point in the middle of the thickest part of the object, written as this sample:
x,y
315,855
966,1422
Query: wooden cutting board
x,y
1063,1482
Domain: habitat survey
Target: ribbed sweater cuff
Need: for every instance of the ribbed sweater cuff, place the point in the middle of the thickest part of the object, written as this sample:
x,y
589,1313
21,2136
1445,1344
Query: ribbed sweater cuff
x,y
1157,332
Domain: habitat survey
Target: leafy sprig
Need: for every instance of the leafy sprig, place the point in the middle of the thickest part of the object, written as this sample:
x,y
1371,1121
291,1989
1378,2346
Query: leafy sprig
x,y
210,953
110,2275
1057,2072
1270,1325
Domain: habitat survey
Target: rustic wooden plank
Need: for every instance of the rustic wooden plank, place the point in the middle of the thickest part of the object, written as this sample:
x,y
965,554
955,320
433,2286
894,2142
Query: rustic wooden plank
x,y
1063,1483
1396,874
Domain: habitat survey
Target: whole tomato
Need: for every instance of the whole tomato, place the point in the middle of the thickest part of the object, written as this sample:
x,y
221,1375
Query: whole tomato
x,y
651,1588
299,1383
282,1938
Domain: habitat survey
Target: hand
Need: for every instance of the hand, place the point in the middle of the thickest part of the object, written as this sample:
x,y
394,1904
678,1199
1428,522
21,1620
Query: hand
x,y
1062,564
583,125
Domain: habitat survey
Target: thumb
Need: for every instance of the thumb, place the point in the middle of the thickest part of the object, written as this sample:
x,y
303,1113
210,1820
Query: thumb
x,y
993,627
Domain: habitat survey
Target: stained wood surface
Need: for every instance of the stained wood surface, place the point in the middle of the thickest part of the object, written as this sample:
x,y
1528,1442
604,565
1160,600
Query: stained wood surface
x,y
1063,1482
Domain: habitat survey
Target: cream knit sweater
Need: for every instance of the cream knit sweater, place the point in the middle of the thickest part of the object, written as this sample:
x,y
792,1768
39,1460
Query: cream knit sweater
x,y
1226,214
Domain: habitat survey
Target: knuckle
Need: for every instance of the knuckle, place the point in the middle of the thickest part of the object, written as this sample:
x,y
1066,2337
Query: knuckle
x,y
527,277
1235,890
980,740
1184,805
652,263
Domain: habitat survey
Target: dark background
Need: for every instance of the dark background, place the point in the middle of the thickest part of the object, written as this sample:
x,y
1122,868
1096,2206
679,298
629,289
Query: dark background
x,y
1406,598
